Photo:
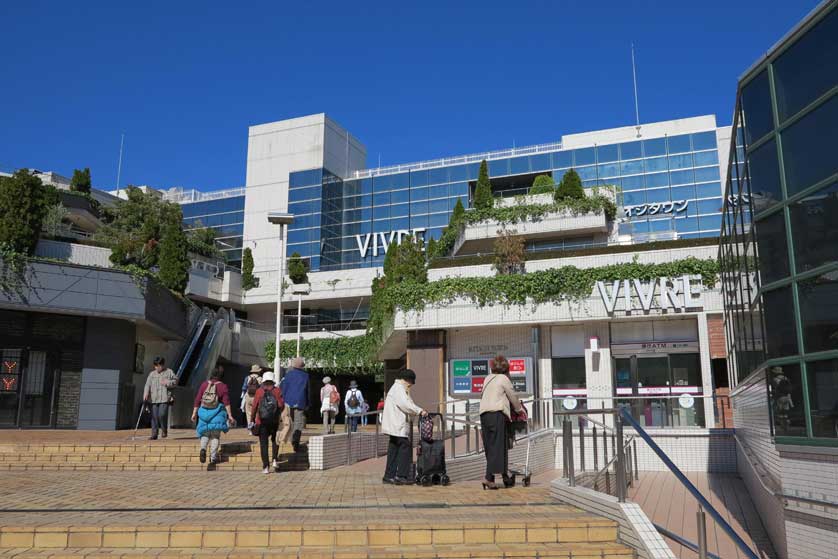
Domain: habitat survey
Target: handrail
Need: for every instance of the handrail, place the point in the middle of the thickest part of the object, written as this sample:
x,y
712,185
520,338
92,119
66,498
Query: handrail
x,y
703,502
681,540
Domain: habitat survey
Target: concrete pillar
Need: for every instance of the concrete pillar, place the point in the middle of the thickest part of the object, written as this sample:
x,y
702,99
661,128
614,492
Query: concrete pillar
x,y
706,370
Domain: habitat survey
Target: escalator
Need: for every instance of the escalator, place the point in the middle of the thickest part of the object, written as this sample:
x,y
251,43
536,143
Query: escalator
x,y
210,340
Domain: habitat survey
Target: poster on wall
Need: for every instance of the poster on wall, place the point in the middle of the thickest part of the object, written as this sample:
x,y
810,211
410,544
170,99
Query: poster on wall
x,y
466,376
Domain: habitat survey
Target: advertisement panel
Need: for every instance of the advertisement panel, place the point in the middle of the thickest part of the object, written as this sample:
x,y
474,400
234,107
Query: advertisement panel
x,y
466,376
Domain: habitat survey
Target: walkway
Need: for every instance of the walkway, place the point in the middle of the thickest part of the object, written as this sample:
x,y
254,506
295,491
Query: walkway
x,y
667,503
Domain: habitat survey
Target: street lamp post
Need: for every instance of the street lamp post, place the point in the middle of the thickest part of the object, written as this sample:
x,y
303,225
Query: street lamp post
x,y
283,220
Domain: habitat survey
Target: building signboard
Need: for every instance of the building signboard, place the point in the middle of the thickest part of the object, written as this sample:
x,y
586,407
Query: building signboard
x,y
654,347
380,241
669,293
467,376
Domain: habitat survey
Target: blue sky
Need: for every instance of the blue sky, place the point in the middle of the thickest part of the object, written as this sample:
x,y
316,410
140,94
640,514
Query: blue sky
x,y
413,81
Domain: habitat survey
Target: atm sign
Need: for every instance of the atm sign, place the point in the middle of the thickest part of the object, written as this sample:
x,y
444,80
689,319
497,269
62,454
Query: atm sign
x,y
517,367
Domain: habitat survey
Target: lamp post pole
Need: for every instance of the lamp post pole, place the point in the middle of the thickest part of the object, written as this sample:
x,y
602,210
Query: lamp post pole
x,y
283,220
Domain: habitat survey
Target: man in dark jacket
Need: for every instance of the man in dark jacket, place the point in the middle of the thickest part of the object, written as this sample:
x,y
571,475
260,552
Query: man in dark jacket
x,y
295,387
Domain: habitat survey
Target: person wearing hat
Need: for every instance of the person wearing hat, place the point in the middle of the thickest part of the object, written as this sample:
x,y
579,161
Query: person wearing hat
x,y
157,396
329,403
249,387
267,410
354,404
397,406
295,388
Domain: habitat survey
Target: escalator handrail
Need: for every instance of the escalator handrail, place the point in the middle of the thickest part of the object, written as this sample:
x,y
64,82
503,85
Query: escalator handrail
x,y
196,336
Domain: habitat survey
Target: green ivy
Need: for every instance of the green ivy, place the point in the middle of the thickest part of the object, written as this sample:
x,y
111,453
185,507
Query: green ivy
x,y
553,285
354,353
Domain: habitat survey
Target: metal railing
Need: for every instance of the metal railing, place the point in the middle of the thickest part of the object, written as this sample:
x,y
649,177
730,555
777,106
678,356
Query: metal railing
x,y
458,160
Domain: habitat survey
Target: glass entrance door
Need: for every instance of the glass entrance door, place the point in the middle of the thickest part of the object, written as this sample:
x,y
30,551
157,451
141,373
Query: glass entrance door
x,y
653,380
28,387
11,371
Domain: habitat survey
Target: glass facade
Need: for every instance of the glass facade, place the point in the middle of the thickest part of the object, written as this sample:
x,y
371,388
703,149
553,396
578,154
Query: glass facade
x,y
344,224
779,233
226,217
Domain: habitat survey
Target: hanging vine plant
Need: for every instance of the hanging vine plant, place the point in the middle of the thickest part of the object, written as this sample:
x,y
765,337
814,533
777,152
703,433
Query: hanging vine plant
x,y
340,354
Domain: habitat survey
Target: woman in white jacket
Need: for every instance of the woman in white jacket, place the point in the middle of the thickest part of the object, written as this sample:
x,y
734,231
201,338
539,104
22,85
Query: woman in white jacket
x,y
397,406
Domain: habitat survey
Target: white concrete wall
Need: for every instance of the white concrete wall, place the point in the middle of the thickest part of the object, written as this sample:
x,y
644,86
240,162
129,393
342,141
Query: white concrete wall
x,y
630,133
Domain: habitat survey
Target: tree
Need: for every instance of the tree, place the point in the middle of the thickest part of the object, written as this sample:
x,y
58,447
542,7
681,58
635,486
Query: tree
x,y
297,269
81,181
53,223
202,241
248,280
543,184
483,199
136,227
405,262
174,260
510,255
570,187
24,203
458,213
430,249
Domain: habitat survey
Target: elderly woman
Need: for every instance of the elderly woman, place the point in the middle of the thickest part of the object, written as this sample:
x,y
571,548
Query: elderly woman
x,y
496,405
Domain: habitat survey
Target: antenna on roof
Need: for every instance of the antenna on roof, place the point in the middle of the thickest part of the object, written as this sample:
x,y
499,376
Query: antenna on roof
x,y
119,165
636,106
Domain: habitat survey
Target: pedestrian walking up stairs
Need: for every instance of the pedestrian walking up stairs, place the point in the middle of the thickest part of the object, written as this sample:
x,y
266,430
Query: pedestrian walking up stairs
x,y
300,515
239,452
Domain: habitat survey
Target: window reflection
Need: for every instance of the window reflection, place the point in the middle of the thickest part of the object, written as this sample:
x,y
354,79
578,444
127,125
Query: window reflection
x,y
819,312
786,396
781,337
814,228
756,108
809,147
822,377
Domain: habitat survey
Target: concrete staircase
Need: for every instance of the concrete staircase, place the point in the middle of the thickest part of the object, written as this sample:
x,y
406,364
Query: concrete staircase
x,y
583,537
138,456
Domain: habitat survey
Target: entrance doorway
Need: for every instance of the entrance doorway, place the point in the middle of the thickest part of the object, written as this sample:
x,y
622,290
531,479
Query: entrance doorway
x,y
28,388
660,390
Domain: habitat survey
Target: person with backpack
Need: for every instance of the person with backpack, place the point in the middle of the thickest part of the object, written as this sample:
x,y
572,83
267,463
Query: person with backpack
x,y
295,388
213,415
268,405
354,403
329,404
251,384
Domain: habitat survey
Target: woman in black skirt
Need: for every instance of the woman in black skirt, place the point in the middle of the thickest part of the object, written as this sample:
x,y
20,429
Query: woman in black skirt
x,y
496,403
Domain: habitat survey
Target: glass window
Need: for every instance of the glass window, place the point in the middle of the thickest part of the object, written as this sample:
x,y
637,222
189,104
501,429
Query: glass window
x,y
381,226
657,195
808,68
381,199
418,221
540,162
631,150
608,170
711,222
819,312
605,154
305,178
585,156
382,184
418,178
682,177
440,205
633,183
381,212
587,173
459,189
399,196
765,176
309,193
683,161
569,373
771,243
809,147
438,220
634,198
781,338
822,377
438,191
684,192
756,108
459,173
707,174
400,224
498,168
786,395
703,158
519,165
631,167
708,190
437,176
814,229
656,164
686,224
679,144
417,194
418,208
303,236
562,159
400,181
453,202
399,210
704,140
652,148
302,208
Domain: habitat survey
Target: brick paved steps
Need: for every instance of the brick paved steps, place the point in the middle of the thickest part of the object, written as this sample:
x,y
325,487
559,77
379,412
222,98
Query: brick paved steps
x,y
581,536
499,551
